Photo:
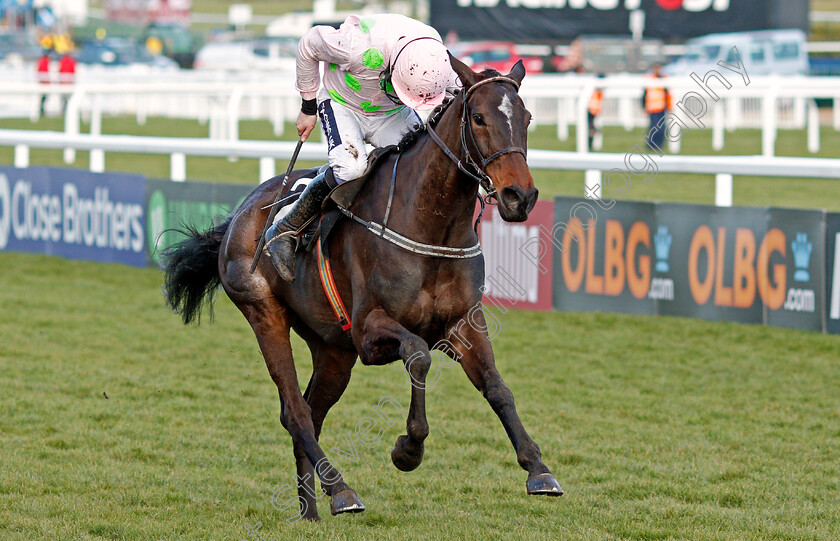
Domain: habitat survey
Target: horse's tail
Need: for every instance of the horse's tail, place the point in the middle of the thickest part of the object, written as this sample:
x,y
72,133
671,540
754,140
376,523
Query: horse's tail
x,y
191,267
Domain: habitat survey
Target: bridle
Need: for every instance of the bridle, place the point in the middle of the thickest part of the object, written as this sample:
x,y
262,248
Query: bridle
x,y
479,174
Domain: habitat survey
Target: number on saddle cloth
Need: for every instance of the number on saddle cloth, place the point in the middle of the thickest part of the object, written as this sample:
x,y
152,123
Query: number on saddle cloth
x,y
294,193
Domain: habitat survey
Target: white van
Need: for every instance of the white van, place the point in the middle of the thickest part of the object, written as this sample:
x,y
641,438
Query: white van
x,y
765,52
253,55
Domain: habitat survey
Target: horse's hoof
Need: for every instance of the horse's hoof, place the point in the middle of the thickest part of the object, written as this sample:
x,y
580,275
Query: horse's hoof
x,y
544,484
404,458
346,501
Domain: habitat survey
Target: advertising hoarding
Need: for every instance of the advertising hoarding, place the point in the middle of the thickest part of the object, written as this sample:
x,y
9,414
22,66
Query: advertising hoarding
x,y
832,272
171,206
73,213
745,264
526,21
517,258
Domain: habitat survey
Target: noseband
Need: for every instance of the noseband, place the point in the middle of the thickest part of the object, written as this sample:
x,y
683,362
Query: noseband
x,y
479,173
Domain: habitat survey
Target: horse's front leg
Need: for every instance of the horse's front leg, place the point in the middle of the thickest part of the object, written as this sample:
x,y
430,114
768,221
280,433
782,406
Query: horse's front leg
x,y
475,353
384,340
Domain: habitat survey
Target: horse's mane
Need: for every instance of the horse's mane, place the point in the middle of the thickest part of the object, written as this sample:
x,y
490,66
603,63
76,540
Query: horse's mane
x,y
434,117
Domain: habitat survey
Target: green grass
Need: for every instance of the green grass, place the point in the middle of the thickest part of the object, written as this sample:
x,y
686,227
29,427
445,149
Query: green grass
x,y
658,428
782,192
825,5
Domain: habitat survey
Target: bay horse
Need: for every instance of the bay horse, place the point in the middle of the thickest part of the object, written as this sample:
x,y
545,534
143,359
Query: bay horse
x,y
400,298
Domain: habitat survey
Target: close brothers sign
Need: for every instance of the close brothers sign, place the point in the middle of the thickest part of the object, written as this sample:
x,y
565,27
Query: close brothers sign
x,y
772,266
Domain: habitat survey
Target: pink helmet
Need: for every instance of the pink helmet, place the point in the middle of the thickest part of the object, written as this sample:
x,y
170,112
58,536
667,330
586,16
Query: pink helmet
x,y
421,72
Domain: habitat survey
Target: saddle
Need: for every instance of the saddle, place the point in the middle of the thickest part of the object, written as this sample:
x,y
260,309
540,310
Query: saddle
x,y
342,196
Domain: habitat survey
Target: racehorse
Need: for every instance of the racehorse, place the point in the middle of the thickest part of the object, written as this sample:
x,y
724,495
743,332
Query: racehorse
x,y
414,286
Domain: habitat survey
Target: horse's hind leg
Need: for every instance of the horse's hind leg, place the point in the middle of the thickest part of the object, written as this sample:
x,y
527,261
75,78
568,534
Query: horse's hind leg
x,y
475,354
269,320
384,338
330,376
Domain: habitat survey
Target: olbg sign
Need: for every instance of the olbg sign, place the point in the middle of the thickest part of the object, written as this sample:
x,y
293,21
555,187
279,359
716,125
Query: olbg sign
x,y
758,265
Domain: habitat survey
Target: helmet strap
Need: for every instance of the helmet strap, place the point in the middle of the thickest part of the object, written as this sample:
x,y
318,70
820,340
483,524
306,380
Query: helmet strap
x,y
385,77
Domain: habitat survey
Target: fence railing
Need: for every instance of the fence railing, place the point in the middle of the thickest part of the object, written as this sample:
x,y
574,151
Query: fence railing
x,y
619,168
223,100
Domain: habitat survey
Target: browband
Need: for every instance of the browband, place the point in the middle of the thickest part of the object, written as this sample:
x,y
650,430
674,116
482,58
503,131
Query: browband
x,y
491,80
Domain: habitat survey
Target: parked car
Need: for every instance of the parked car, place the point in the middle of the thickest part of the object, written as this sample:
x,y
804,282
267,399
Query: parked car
x,y
261,54
824,66
173,40
19,47
764,52
121,52
498,55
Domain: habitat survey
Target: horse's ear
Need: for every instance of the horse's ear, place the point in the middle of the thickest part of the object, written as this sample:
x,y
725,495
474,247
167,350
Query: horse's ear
x,y
468,77
517,73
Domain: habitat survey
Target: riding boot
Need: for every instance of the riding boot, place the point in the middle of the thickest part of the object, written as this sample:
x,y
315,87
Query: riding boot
x,y
282,236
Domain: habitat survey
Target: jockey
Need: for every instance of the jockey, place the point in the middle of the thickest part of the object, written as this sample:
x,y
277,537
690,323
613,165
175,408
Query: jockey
x,y
377,71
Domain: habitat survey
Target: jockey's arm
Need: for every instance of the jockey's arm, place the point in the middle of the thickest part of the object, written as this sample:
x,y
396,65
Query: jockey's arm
x,y
319,44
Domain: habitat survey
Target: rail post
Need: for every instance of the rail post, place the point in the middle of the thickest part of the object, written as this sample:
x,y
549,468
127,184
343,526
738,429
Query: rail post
x,y
768,127
813,127
592,180
717,127
72,121
582,127
178,167
268,169
723,190
97,155
21,156
562,120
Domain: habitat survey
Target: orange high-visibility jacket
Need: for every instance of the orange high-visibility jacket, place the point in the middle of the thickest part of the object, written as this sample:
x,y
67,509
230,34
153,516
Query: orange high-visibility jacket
x,y
657,98
596,102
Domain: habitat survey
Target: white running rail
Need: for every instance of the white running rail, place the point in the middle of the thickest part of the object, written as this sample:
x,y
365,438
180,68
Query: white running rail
x,y
636,166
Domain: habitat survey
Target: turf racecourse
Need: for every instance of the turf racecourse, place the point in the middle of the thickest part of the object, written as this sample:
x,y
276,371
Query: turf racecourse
x,y
658,428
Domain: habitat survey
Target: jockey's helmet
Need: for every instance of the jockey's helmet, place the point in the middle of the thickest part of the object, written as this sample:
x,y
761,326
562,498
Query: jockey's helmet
x,y
421,72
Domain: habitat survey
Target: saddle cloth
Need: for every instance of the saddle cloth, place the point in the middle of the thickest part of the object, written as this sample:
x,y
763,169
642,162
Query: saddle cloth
x,y
318,231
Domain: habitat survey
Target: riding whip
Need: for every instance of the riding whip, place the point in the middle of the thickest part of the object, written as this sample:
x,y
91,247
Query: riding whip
x,y
275,207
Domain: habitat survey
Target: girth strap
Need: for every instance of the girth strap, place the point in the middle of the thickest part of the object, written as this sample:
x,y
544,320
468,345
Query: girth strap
x,y
331,290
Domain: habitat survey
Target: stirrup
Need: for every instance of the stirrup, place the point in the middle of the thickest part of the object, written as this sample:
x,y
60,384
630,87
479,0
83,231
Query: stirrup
x,y
291,233
296,234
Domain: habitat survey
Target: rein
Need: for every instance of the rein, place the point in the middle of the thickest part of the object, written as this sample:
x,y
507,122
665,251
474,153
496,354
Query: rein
x,y
479,175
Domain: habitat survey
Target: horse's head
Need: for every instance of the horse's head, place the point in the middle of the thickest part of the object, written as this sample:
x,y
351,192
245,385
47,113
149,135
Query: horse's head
x,y
495,134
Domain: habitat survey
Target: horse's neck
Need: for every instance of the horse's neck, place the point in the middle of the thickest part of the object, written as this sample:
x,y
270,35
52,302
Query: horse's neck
x,y
435,200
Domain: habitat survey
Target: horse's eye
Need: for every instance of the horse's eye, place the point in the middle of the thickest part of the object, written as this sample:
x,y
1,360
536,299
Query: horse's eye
x,y
478,119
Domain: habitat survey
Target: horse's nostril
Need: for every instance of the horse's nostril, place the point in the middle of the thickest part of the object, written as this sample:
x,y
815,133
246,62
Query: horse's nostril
x,y
519,199
531,198
512,196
